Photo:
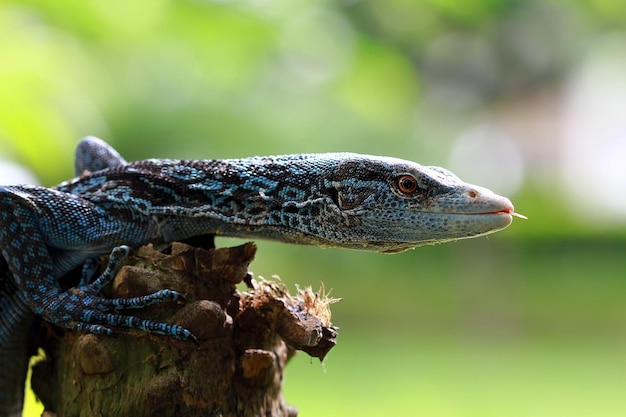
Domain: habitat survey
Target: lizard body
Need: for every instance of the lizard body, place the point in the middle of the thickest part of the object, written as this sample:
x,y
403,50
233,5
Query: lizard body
x,y
333,200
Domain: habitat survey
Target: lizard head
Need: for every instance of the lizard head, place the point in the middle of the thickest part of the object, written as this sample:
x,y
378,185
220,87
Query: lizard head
x,y
391,205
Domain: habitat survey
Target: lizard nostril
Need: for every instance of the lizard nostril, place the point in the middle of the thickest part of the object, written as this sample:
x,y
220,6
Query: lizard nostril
x,y
472,194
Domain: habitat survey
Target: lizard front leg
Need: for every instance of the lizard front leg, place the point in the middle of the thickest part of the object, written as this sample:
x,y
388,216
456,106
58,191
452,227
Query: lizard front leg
x,y
28,230
103,319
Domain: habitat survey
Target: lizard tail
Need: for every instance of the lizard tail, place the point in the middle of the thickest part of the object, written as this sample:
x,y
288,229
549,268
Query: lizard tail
x,y
13,368
15,351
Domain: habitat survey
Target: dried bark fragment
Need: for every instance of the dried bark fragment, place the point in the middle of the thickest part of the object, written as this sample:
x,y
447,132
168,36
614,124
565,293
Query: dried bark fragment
x,y
245,341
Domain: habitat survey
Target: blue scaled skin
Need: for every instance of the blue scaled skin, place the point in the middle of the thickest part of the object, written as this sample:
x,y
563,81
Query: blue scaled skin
x,y
341,200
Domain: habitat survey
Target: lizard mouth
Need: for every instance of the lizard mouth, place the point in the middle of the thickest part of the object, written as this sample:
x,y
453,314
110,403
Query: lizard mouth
x,y
498,220
508,211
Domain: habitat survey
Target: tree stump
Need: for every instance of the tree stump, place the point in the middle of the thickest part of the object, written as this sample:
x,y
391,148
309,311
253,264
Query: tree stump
x,y
245,340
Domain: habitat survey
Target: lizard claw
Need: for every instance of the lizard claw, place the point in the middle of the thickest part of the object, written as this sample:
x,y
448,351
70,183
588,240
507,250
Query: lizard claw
x,y
158,297
88,314
92,328
82,308
132,322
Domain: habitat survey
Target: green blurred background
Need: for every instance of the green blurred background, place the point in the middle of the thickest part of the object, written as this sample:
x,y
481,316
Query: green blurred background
x,y
525,97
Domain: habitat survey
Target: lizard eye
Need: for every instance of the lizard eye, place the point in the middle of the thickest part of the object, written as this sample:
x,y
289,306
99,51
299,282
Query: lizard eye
x,y
407,184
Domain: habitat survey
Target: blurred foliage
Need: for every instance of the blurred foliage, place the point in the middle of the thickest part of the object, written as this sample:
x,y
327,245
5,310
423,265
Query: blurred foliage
x,y
413,79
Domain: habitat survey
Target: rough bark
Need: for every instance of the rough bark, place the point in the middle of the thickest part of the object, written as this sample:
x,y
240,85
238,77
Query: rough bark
x,y
245,341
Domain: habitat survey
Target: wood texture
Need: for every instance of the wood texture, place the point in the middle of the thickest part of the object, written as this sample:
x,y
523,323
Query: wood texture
x,y
245,340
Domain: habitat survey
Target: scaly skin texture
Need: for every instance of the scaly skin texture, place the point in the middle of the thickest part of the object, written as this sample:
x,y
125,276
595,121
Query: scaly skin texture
x,y
342,200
